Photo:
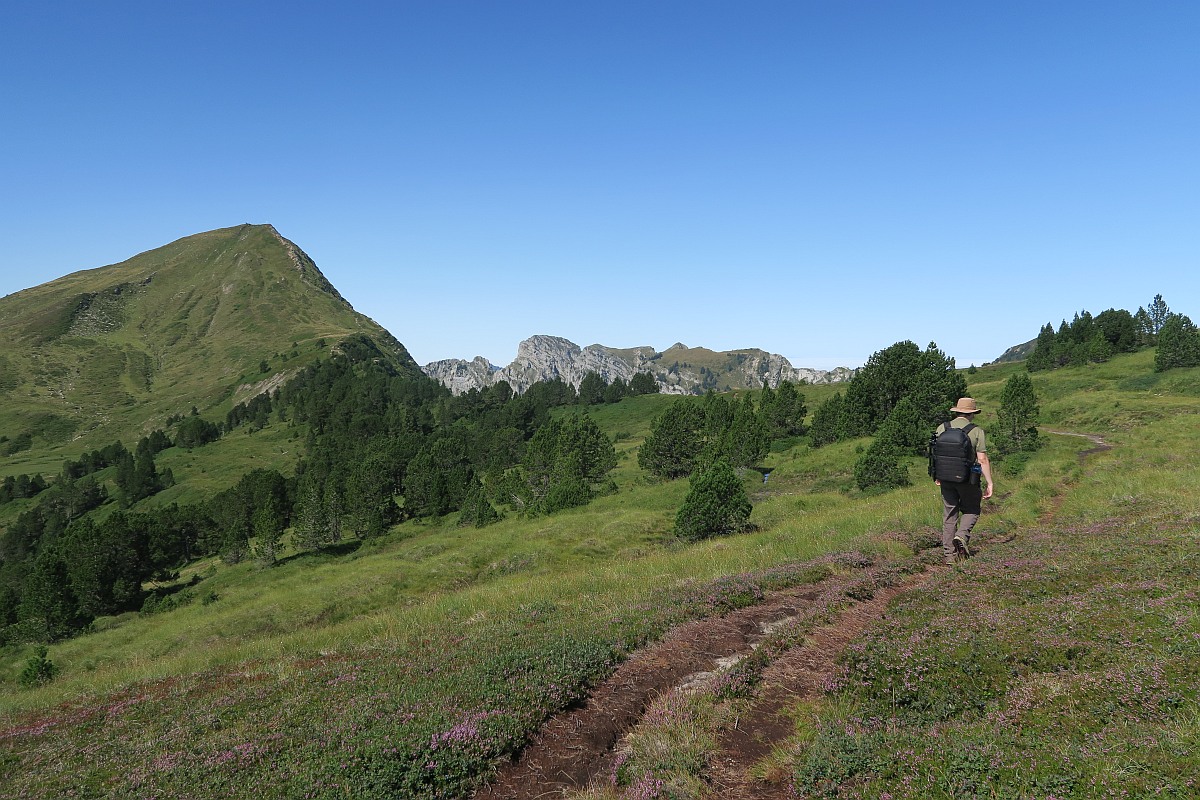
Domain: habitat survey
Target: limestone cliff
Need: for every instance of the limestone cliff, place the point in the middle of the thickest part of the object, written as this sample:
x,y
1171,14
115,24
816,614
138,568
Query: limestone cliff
x,y
678,370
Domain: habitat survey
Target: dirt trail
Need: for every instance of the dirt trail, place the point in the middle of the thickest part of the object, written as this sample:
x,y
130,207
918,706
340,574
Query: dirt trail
x,y
570,749
1094,438
802,672
576,749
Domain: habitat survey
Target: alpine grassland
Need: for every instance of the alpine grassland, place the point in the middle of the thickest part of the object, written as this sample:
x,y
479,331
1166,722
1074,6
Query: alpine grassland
x,y
1063,660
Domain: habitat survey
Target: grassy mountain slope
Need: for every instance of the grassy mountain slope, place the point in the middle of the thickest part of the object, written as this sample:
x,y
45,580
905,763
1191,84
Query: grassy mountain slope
x,y
110,353
404,667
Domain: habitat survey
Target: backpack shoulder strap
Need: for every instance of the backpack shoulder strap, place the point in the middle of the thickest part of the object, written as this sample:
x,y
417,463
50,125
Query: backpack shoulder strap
x,y
970,426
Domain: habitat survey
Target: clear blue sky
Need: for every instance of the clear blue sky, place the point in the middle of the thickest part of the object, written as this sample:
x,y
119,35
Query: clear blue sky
x,y
818,179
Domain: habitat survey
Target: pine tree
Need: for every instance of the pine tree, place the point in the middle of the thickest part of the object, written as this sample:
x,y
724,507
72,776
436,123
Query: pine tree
x,y
716,504
565,459
48,607
906,429
1119,328
748,439
1145,327
830,422
38,669
643,383
881,468
267,532
476,509
1158,314
1043,355
675,442
591,389
902,370
616,390
1178,344
1017,418
312,526
785,412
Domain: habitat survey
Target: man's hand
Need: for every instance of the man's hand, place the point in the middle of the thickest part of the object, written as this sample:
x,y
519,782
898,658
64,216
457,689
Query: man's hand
x,y
987,492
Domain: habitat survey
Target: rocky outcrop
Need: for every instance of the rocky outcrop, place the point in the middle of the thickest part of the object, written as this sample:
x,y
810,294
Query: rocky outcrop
x,y
1018,352
677,370
461,376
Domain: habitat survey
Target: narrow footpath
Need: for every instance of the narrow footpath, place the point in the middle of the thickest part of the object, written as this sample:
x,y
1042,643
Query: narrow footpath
x,y
577,749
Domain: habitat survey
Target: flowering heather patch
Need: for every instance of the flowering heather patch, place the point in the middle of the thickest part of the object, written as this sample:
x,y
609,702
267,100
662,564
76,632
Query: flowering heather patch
x,y
669,749
427,716
1064,664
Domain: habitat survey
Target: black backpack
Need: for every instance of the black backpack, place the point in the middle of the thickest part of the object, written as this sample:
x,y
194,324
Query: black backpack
x,y
951,454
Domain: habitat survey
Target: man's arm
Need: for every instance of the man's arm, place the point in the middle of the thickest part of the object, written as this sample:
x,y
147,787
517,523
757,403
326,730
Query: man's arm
x,y
986,466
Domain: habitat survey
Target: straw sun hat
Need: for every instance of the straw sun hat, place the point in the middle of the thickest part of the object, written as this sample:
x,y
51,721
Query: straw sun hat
x,y
966,405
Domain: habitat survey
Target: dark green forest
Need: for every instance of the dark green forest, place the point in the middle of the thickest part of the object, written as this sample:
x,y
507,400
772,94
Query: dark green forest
x,y
382,444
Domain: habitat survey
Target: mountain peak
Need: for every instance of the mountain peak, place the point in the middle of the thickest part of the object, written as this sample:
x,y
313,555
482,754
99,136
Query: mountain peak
x,y
183,324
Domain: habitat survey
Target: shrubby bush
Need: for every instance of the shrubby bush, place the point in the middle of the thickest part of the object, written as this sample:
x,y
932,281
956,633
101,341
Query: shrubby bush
x,y
881,468
716,504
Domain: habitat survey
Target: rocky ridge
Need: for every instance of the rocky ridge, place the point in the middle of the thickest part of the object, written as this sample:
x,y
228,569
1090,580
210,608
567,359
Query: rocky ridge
x,y
678,370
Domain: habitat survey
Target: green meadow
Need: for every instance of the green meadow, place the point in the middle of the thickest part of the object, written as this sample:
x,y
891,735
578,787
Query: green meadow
x,y
409,665
1063,660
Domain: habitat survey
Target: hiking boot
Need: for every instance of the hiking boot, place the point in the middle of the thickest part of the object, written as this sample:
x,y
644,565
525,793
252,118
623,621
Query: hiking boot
x,y
951,560
960,547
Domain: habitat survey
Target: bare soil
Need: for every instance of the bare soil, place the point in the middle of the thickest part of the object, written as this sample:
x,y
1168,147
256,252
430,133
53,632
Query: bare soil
x,y
800,673
577,748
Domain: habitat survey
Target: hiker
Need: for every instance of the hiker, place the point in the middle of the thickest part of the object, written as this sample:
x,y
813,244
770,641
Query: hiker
x,y
957,461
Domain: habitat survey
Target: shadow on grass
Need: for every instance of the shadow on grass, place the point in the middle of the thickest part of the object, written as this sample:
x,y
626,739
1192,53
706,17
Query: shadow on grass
x,y
329,551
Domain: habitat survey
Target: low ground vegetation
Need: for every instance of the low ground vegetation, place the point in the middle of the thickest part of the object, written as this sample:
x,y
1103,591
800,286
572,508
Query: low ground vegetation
x,y
407,663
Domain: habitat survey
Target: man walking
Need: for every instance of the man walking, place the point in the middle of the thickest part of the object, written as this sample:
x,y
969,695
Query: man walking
x,y
959,459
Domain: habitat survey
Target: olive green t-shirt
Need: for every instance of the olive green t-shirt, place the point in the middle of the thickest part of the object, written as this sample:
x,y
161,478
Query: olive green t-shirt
x,y
976,434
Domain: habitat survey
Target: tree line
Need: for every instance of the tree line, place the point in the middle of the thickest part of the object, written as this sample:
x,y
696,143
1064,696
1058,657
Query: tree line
x,y
383,444
1093,340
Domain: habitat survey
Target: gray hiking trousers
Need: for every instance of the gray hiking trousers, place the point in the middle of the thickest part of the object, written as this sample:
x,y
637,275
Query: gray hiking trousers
x,y
960,511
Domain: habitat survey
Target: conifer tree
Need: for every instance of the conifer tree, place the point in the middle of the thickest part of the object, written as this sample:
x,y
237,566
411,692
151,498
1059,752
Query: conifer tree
x,y
643,383
615,391
1016,430
1119,329
312,525
476,509
675,442
830,423
747,440
1145,327
565,459
1178,344
906,430
881,468
898,371
48,608
1158,312
38,669
716,504
591,389
788,412
1043,355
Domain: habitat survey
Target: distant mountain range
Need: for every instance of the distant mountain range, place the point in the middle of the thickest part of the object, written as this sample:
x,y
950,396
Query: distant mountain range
x,y
213,319
678,370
